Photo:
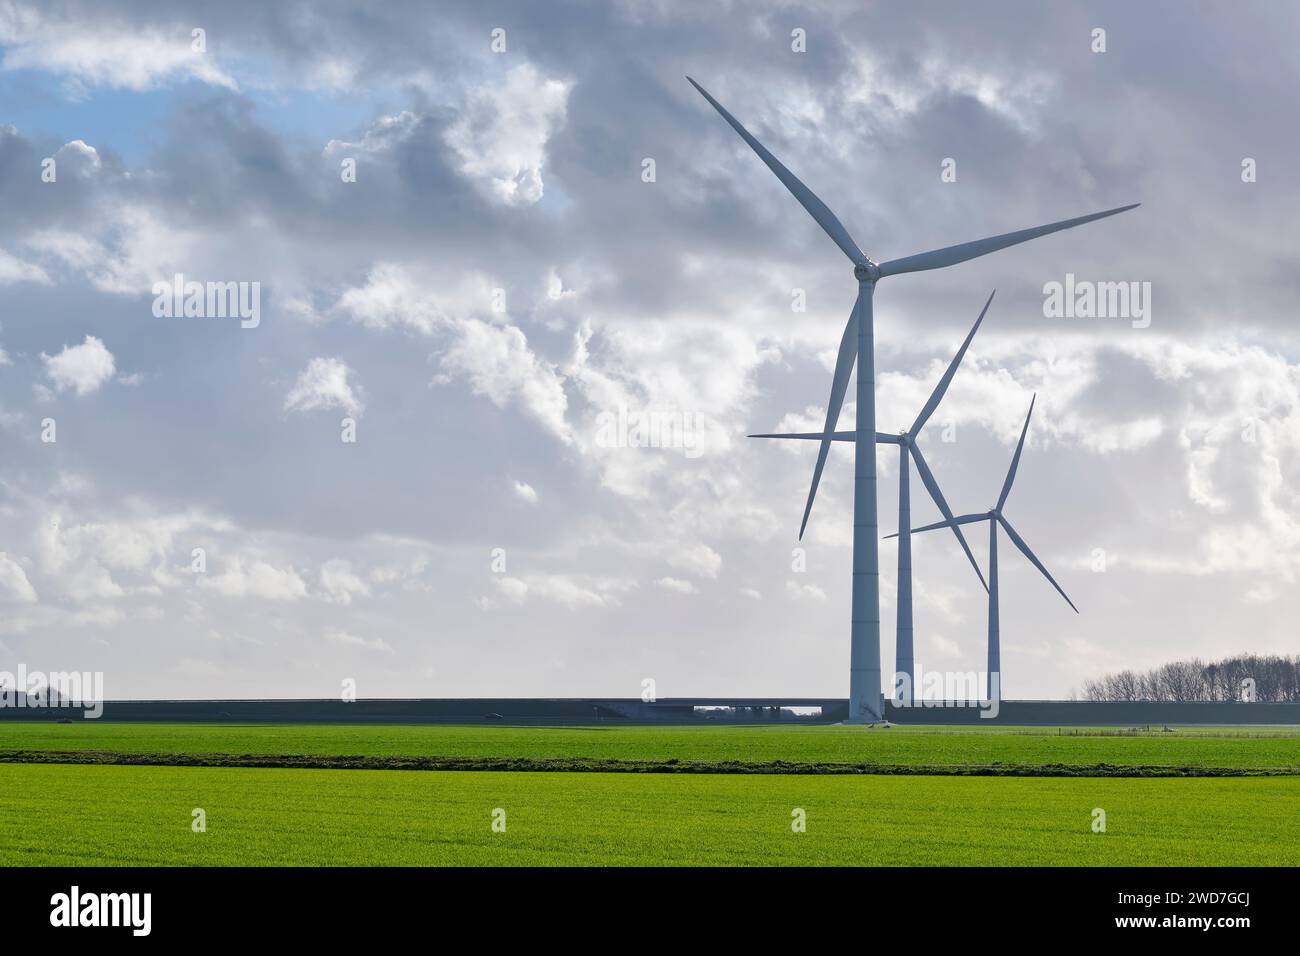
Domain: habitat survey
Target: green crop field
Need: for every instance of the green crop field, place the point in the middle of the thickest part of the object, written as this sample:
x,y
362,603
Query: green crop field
x,y
937,748
899,805
89,815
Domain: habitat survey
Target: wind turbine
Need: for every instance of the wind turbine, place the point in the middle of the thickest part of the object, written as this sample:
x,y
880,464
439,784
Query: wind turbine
x,y
995,517
908,449
858,340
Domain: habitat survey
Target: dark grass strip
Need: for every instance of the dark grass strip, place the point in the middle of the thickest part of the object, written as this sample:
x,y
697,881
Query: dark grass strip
x,y
602,765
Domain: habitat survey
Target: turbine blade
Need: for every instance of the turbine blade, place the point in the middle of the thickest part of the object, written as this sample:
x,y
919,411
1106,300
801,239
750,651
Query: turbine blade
x,y
807,198
951,255
937,395
946,523
1024,548
932,486
815,436
1015,459
839,385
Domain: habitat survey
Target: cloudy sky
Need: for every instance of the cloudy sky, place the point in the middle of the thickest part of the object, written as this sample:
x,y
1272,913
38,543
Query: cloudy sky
x,y
501,287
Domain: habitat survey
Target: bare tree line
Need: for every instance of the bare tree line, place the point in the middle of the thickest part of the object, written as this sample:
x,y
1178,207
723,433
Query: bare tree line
x,y
1276,680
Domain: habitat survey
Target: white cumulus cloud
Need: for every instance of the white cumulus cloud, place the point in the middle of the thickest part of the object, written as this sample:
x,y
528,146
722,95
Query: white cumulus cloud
x,y
259,579
104,53
498,363
676,585
13,269
322,385
13,581
500,136
80,368
340,583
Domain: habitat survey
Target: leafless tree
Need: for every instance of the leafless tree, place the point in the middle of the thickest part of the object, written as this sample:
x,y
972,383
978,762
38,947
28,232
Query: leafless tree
x,y
1275,679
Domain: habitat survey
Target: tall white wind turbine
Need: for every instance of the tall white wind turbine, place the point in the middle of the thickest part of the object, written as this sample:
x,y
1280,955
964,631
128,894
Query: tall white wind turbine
x,y
995,517
858,341
908,450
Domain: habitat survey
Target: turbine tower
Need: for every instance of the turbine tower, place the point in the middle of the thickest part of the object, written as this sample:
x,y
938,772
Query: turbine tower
x,y
904,655
858,342
995,517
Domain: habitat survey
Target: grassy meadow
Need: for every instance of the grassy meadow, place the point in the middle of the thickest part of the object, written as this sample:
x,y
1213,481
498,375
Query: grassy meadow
x,y
90,815
870,796
1222,748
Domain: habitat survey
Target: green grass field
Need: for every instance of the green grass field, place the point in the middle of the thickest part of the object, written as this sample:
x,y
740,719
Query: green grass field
x,y
54,812
89,815
1255,748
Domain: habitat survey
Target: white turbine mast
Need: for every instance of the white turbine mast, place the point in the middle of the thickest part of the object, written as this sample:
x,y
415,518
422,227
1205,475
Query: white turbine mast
x,y
904,653
995,517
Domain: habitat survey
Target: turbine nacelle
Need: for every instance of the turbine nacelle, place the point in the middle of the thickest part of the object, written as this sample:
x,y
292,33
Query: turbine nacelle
x,y
866,272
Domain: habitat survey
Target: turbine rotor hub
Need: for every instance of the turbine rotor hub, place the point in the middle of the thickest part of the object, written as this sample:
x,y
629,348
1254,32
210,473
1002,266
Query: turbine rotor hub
x,y
868,272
